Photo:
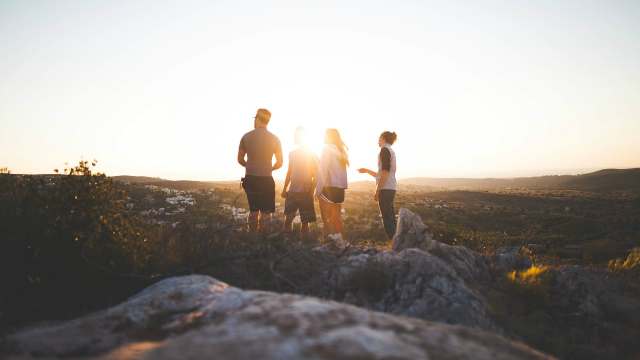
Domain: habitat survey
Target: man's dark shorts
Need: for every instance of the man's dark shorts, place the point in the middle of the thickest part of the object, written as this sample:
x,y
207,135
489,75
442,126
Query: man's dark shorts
x,y
303,202
261,193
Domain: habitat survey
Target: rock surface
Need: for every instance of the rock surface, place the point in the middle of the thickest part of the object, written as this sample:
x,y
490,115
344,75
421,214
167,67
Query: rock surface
x,y
411,282
197,317
420,278
411,232
592,294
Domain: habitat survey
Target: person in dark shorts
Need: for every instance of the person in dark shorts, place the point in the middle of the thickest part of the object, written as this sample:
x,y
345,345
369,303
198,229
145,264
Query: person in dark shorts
x,y
332,182
256,151
386,181
299,185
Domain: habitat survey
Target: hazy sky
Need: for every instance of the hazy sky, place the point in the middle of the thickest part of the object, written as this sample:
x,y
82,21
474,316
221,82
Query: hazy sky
x,y
473,88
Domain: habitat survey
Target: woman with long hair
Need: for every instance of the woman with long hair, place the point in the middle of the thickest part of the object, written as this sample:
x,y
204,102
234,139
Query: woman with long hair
x,y
331,185
386,184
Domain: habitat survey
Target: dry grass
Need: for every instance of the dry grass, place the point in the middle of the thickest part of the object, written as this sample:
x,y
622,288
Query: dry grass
x,y
630,263
529,276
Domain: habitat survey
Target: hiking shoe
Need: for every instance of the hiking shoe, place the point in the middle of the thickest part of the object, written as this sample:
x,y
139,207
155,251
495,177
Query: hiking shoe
x,y
338,241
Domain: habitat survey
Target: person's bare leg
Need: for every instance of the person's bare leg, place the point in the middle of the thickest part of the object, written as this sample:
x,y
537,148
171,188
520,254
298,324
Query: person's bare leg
x,y
265,222
337,218
325,213
253,221
288,223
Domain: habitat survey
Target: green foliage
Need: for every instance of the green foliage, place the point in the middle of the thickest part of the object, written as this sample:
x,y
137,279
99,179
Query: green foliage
x,y
56,230
631,263
629,268
600,227
522,305
531,286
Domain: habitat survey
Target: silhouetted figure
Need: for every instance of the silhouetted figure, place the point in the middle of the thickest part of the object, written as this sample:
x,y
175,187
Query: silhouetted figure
x,y
332,182
386,184
256,152
299,185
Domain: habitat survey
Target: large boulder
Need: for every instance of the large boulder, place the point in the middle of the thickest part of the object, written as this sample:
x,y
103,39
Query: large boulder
x,y
593,294
196,317
411,282
420,278
412,233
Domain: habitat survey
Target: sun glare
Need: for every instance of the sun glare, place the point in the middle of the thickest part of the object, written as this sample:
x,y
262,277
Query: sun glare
x,y
311,138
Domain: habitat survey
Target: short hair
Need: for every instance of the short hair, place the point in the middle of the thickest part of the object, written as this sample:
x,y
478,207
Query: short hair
x,y
263,115
389,137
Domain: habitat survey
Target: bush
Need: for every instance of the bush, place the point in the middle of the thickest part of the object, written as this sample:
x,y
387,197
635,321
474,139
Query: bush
x,y
629,268
531,286
58,235
630,264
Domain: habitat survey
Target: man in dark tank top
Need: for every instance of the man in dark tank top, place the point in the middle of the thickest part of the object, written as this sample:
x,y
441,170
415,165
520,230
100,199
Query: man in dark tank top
x,y
256,152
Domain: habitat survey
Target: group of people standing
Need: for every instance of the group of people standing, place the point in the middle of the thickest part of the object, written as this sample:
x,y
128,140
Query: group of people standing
x,y
309,178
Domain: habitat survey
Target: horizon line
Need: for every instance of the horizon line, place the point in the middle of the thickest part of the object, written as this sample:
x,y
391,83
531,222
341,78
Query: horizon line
x,y
576,172
543,174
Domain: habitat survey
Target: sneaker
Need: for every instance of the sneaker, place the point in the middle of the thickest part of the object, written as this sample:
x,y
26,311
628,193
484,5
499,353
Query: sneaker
x,y
338,241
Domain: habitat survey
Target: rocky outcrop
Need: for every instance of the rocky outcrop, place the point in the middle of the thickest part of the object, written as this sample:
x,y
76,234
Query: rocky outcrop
x,y
412,233
420,278
411,282
197,317
592,294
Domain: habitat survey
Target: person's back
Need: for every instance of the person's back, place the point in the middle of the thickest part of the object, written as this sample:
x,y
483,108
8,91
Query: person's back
x,y
299,185
256,151
303,164
260,146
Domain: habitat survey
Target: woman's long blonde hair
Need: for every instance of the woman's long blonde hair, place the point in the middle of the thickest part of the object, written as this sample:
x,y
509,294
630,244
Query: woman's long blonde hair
x,y
333,137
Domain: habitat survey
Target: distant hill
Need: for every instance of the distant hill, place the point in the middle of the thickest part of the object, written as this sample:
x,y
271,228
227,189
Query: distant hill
x,y
185,185
626,180
609,180
137,179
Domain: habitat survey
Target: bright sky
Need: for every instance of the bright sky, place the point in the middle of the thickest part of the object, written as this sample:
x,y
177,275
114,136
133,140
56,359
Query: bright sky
x,y
473,88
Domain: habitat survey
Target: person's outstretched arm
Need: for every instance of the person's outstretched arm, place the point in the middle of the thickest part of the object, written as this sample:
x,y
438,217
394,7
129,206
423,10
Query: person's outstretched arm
x,y
367,171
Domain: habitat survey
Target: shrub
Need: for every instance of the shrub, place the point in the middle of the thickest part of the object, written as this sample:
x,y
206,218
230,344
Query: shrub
x,y
56,232
531,286
630,264
528,277
629,268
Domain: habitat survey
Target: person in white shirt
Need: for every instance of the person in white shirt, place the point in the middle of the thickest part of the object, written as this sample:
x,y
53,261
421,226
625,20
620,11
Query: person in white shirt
x,y
386,183
331,185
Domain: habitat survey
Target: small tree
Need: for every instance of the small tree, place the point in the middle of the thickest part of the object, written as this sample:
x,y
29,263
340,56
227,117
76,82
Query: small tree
x,y
60,238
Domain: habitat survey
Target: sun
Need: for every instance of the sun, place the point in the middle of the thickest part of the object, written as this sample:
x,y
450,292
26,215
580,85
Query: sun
x,y
310,138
